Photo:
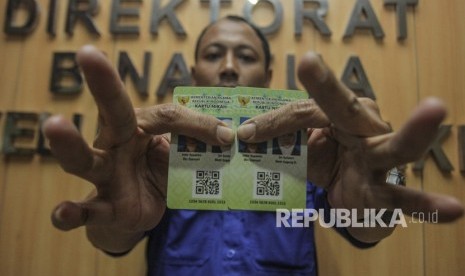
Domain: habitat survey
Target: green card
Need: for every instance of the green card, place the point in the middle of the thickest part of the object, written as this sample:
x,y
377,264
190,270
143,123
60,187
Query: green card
x,y
263,176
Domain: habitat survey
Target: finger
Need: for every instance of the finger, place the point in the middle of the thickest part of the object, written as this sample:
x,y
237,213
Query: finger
x,y
322,157
116,114
70,215
69,147
339,103
380,195
165,118
287,119
412,140
413,202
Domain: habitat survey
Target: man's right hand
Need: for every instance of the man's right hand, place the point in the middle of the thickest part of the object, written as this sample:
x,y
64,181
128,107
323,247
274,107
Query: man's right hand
x,y
128,163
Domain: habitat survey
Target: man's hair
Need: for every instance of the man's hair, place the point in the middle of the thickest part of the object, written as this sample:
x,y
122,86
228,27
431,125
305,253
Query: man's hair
x,y
261,36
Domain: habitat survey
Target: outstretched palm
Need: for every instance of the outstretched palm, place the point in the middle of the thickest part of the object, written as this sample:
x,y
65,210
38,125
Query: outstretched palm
x,y
128,163
350,148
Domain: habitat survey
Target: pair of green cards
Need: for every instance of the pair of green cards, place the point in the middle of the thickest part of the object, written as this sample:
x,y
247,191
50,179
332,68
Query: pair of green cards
x,y
263,176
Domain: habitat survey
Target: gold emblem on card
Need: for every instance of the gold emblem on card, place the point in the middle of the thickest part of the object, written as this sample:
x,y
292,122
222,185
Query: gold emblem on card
x,y
183,100
243,100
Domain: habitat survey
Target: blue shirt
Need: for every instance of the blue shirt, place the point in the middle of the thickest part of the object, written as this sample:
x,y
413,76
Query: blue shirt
x,y
235,243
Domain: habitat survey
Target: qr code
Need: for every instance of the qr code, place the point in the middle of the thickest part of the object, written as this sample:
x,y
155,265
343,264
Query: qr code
x,y
268,185
207,184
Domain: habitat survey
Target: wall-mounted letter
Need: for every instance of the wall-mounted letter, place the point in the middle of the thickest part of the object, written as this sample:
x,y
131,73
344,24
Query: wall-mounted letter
x,y
13,131
363,9
33,13
401,13
290,72
65,67
74,13
462,148
116,12
315,16
177,67
125,67
278,19
436,151
158,14
215,7
355,78
52,18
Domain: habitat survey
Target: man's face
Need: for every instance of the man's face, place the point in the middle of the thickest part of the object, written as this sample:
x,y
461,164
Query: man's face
x,y
191,142
231,54
287,140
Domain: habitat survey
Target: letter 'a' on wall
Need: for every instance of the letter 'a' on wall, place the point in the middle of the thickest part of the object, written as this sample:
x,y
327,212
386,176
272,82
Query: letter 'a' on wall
x,y
355,78
364,17
177,74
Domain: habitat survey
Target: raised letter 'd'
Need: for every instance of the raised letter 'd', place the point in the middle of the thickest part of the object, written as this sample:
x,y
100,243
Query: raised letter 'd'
x,y
33,13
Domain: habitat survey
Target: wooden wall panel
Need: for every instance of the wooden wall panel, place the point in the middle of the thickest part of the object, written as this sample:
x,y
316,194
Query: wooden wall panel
x,y
441,66
9,60
401,74
28,240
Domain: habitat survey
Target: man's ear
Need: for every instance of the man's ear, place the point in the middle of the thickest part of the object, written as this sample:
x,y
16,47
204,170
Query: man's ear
x,y
193,76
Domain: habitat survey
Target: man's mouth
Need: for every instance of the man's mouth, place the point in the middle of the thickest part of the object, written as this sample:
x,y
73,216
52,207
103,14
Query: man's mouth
x,y
227,84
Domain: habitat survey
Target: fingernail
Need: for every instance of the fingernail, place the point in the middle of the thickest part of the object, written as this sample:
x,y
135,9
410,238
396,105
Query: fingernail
x,y
59,214
225,134
322,71
247,131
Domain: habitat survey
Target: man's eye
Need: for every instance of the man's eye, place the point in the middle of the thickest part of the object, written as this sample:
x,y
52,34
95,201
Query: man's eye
x,y
247,58
212,56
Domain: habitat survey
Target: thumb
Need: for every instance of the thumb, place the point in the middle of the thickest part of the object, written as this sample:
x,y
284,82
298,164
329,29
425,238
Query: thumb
x,y
69,215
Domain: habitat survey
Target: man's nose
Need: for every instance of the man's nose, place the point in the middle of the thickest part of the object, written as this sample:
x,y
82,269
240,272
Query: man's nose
x,y
229,67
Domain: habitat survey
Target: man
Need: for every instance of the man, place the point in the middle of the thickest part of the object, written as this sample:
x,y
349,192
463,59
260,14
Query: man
x,y
189,144
287,144
350,151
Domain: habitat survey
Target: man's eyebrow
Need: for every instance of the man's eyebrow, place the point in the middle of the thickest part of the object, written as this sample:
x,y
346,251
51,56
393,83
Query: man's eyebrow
x,y
241,46
214,44
247,47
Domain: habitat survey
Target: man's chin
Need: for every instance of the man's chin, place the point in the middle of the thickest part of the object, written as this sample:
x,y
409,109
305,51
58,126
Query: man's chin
x,y
230,85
